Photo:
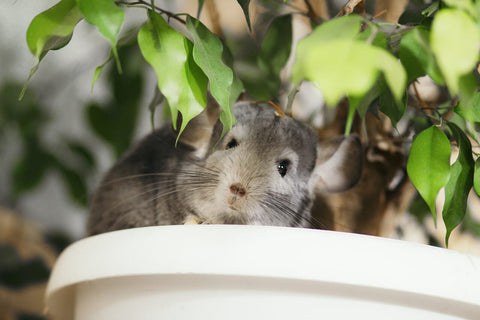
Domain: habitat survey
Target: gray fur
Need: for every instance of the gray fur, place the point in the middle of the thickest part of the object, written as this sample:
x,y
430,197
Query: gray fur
x,y
157,184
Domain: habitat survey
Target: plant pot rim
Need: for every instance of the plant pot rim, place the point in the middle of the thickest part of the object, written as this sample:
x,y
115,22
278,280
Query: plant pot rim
x,y
269,252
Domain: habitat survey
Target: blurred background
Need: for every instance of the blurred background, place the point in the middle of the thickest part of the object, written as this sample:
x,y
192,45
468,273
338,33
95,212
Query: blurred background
x,y
56,141
55,144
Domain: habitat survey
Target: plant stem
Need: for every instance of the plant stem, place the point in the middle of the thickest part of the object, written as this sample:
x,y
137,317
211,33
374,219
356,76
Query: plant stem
x,y
147,5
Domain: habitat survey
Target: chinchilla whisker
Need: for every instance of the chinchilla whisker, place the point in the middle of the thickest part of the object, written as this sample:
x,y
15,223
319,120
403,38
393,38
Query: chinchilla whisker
x,y
201,165
197,178
203,172
286,211
165,193
297,216
311,221
138,177
164,177
176,190
337,222
162,195
315,223
279,208
152,188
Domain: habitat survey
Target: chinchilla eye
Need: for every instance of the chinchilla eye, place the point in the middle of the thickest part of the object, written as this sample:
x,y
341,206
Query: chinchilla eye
x,y
231,144
283,167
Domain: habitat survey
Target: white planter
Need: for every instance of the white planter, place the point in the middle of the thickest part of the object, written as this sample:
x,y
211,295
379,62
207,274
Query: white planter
x,y
252,272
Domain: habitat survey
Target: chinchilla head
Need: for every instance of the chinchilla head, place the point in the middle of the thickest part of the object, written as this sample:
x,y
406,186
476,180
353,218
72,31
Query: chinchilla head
x,y
259,172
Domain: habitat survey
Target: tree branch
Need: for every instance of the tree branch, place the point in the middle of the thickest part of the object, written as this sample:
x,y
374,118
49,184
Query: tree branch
x,y
214,18
311,12
350,5
148,5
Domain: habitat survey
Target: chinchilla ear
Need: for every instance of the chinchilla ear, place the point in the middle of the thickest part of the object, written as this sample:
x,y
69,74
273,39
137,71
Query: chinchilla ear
x,y
198,132
339,164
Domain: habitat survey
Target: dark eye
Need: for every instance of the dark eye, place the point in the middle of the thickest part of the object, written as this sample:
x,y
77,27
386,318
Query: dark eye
x,y
232,144
283,167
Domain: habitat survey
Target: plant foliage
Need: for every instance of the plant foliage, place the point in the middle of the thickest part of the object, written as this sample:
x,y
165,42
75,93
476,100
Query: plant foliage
x,y
37,158
371,64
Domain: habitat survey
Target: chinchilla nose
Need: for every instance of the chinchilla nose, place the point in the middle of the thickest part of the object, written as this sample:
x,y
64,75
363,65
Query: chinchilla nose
x,y
237,189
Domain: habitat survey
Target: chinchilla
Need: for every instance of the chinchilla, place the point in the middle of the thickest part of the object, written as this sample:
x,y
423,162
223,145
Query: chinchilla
x,y
264,171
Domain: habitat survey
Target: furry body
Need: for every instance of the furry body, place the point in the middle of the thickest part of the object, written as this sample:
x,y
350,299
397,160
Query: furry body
x,y
261,172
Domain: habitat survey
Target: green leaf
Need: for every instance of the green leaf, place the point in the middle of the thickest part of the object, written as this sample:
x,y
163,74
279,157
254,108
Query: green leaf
x,y
348,68
236,89
391,107
392,70
82,153
198,84
28,115
99,69
428,164
157,99
179,79
274,52
259,68
227,117
207,53
431,10
346,27
276,45
74,182
454,41
468,85
412,55
361,104
459,121
459,183
31,168
476,177
244,5
470,111
200,7
340,65
51,30
114,121
375,35
107,17
126,40
465,5
417,56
